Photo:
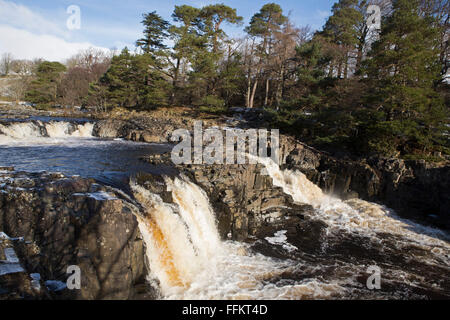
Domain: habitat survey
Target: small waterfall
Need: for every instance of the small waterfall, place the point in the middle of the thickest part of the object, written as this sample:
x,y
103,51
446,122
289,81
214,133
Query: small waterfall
x,y
83,130
189,261
354,215
58,129
295,184
35,131
20,130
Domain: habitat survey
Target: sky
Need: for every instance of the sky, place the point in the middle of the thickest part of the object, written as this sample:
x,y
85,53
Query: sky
x,y
38,28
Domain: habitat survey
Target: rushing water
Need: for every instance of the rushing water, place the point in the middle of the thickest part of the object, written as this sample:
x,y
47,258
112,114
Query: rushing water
x,y
187,258
189,261
70,148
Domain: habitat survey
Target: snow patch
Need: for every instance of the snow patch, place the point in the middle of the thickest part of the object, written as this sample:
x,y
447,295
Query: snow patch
x,y
99,196
280,239
55,286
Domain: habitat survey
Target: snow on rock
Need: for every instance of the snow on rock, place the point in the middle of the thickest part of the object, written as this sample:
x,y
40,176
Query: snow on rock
x,y
99,196
280,238
55,286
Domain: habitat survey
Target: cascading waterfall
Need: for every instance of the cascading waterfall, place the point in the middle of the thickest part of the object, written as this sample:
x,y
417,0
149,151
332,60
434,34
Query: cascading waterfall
x,y
189,261
36,131
354,215
20,130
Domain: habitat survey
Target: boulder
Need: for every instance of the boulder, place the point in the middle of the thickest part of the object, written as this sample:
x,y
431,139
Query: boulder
x,y
73,221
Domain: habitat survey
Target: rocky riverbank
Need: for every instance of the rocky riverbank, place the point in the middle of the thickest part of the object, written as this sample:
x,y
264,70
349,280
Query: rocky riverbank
x,y
63,221
415,189
52,221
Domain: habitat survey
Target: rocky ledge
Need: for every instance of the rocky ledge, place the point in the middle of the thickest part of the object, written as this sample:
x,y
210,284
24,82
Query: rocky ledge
x,y
415,189
60,221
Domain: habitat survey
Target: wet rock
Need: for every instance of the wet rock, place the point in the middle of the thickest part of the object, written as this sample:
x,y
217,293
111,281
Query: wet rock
x,y
63,223
415,189
150,131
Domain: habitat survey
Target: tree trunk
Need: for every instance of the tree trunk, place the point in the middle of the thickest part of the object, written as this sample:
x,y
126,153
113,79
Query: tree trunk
x,y
280,87
252,97
249,91
331,71
175,82
266,99
346,67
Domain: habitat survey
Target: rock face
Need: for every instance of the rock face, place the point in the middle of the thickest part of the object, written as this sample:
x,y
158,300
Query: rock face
x,y
415,189
244,198
73,221
135,130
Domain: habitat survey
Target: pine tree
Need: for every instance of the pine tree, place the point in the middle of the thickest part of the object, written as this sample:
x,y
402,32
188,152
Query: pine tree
x,y
343,29
44,89
131,82
312,62
264,25
155,32
403,69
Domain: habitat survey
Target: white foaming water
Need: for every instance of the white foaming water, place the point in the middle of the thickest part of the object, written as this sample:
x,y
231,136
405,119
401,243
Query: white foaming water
x,y
20,130
57,129
29,133
357,215
188,259
84,130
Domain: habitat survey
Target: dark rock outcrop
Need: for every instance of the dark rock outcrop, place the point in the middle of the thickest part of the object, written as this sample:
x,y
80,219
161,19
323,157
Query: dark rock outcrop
x,y
150,131
73,221
244,198
415,189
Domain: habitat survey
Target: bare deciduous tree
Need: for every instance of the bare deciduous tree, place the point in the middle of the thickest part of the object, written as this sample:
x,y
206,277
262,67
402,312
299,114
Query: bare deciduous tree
x,y
5,63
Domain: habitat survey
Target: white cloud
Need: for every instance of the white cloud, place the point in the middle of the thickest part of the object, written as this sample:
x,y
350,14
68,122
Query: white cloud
x,y
28,35
22,17
26,45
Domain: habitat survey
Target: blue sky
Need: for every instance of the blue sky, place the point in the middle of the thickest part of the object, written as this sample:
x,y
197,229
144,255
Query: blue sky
x,y
30,28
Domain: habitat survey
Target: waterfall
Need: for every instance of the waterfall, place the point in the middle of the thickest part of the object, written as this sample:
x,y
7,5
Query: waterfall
x,y
58,129
188,260
354,215
35,131
20,130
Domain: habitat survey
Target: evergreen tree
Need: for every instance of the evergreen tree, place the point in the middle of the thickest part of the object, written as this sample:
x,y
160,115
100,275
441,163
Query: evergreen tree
x,y
155,32
187,39
132,83
205,76
312,62
343,28
264,25
403,69
44,89
213,16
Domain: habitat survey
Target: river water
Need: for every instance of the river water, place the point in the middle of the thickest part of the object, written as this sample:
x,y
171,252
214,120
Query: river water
x,y
70,148
189,260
